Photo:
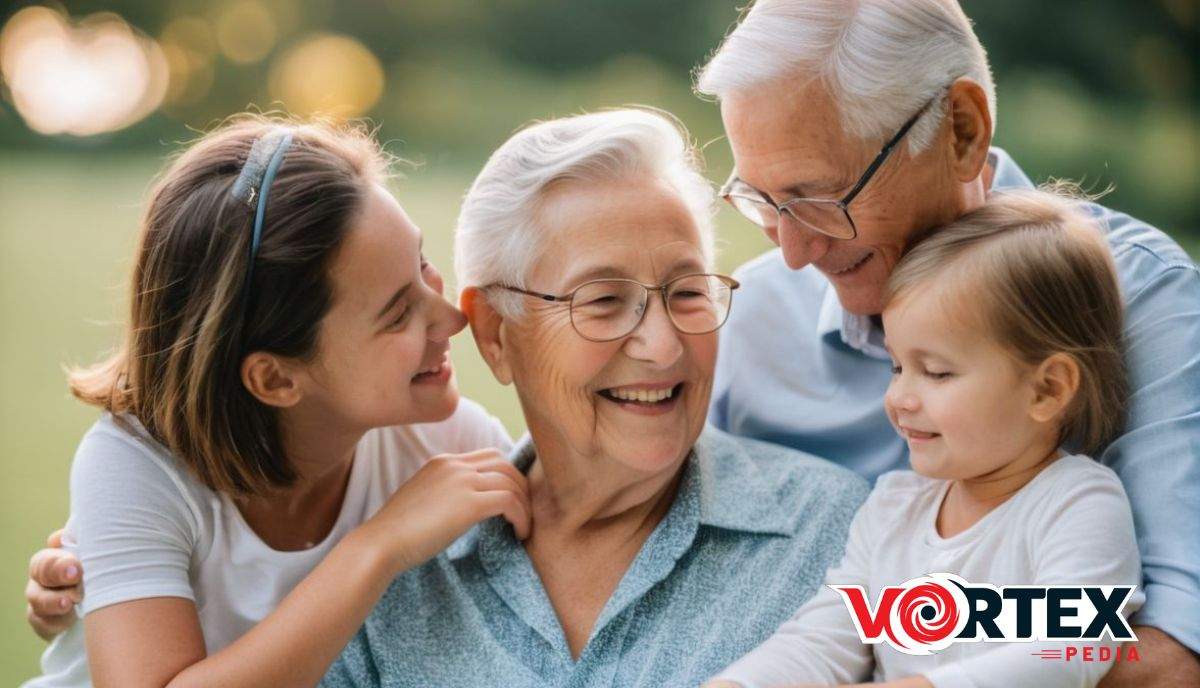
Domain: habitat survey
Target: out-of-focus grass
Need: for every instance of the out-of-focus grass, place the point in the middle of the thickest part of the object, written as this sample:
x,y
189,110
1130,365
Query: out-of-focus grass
x,y
67,230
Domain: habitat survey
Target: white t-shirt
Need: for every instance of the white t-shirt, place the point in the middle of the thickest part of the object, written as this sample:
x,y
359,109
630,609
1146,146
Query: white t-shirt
x,y
143,526
1071,524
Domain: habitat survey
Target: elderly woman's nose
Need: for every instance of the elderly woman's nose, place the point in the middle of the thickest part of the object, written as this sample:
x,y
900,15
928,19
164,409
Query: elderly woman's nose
x,y
655,339
801,245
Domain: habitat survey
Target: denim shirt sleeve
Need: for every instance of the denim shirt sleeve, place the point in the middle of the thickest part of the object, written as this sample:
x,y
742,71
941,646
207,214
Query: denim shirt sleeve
x,y
1158,457
355,667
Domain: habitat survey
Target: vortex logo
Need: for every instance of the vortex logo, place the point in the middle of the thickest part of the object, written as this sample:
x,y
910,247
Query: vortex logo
x,y
929,615
926,614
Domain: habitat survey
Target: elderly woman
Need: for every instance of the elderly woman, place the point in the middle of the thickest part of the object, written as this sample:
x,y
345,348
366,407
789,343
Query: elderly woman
x,y
660,550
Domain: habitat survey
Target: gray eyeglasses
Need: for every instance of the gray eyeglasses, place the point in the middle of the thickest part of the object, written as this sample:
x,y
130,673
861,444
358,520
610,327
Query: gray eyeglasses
x,y
603,310
829,216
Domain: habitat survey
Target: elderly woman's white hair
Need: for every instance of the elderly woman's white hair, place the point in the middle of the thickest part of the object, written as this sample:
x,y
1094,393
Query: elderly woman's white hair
x,y
498,238
880,60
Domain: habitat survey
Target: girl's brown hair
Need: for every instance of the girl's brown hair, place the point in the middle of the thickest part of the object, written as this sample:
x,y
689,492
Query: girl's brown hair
x,y
193,319
1042,280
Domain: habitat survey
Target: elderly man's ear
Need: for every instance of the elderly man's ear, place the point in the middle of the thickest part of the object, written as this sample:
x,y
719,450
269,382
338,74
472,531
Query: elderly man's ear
x,y
487,326
970,128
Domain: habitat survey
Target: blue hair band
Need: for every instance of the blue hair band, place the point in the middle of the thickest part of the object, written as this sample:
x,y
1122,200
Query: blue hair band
x,y
254,181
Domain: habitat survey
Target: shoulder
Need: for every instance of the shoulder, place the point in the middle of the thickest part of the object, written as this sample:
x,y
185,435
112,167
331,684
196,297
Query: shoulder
x,y
1141,251
1128,235
1075,477
1143,254
1077,495
803,484
134,505
118,457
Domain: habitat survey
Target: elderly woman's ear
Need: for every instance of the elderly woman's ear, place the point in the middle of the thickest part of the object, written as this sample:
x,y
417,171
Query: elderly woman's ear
x,y
487,326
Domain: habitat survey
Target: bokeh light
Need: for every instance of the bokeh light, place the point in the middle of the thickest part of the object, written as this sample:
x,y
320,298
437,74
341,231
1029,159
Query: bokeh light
x,y
190,48
81,78
246,31
327,74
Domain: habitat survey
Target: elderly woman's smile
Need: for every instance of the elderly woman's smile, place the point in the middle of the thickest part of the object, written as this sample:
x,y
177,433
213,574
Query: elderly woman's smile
x,y
640,397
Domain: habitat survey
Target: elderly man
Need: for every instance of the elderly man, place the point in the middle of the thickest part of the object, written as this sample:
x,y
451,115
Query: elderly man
x,y
855,127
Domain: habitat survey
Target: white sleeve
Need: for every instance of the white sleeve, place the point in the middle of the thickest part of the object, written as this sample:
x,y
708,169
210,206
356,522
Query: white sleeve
x,y
1083,536
472,427
819,644
130,525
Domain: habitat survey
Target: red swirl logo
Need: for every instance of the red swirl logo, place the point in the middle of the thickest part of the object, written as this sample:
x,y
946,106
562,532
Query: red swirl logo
x,y
927,613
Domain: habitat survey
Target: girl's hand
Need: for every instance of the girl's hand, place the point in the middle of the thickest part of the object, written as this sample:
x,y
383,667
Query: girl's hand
x,y
54,588
447,496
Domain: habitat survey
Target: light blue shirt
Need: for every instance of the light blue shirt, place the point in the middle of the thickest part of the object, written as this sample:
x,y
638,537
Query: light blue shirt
x,y
746,541
796,369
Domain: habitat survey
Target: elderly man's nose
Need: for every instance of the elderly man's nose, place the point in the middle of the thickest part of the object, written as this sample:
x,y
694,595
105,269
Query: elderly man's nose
x,y
655,339
801,245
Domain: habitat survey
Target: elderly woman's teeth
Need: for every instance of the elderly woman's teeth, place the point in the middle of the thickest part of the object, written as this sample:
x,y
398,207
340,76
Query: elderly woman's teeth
x,y
643,395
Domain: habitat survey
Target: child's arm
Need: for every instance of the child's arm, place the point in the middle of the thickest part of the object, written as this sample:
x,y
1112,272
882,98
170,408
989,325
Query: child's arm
x,y
1084,535
819,644
158,641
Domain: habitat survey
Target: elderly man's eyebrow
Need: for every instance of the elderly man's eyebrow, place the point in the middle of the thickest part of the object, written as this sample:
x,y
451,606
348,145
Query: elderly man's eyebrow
x,y
802,189
813,188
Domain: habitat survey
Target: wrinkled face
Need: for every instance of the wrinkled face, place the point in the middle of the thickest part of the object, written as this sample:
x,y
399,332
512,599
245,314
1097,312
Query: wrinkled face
x,y
789,143
636,404
383,351
958,399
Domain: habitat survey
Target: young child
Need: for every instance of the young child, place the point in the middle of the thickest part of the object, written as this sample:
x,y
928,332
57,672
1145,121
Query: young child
x,y
261,471
1005,334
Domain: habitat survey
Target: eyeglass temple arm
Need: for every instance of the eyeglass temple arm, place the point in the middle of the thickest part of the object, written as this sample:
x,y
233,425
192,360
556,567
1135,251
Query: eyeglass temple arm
x,y
537,294
883,156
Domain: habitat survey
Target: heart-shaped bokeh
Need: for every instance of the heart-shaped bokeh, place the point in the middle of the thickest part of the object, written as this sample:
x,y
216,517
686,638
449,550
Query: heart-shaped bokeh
x,y
82,77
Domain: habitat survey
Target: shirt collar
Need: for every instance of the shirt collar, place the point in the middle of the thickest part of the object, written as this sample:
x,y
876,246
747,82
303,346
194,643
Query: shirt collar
x,y
859,332
1006,174
733,491
721,487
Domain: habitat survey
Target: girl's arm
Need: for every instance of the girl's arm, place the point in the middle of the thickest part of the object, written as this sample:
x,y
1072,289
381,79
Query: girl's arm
x,y
157,642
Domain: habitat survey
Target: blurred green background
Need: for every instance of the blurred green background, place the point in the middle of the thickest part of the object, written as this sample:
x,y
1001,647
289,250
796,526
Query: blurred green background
x,y
1098,91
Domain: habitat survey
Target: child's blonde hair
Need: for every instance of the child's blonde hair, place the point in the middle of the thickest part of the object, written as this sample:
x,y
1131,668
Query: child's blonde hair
x,y
1043,282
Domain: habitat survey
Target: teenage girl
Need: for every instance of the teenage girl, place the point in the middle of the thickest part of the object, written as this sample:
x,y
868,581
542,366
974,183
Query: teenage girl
x,y
262,468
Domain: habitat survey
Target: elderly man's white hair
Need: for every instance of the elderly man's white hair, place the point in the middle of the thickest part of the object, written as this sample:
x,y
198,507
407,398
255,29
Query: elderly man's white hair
x,y
498,238
880,60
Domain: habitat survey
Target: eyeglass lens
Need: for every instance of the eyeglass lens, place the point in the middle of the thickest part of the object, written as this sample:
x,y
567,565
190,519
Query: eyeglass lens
x,y
609,309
